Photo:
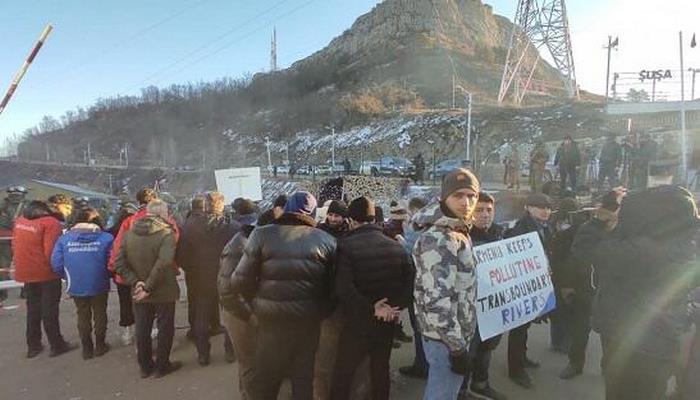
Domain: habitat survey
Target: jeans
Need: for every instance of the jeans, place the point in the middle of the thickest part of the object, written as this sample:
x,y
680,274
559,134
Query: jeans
x,y
43,299
145,313
92,310
126,306
443,384
353,347
419,361
285,348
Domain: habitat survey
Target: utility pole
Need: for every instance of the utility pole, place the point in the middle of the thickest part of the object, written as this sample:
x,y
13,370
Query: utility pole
x,y
469,125
89,155
453,92
126,154
684,148
614,85
273,51
269,156
332,128
611,45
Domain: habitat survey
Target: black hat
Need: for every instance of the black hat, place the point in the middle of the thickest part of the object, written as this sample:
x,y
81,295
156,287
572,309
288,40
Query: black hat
x,y
362,210
458,179
540,200
244,206
338,207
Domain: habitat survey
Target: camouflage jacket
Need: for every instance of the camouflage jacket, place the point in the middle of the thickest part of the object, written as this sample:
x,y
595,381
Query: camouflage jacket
x,y
445,286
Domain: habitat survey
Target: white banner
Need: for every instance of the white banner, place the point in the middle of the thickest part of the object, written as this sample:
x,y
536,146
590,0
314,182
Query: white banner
x,y
513,284
239,182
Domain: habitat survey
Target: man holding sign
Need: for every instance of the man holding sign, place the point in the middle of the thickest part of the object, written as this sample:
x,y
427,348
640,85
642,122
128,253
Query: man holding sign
x,y
445,286
538,209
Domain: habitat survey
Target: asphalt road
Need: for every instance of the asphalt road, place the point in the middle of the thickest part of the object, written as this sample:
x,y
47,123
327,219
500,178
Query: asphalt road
x,y
115,375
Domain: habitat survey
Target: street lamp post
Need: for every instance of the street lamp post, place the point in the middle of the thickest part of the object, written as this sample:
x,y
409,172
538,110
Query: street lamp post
x,y
611,45
432,144
269,156
332,128
468,126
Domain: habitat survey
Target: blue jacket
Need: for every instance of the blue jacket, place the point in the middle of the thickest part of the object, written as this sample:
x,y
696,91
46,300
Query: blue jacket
x,y
80,256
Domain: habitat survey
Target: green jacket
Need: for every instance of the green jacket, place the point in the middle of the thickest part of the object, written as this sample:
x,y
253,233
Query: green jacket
x,y
147,254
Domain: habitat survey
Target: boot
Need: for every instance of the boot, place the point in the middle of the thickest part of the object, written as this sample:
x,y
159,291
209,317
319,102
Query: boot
x,y
101,347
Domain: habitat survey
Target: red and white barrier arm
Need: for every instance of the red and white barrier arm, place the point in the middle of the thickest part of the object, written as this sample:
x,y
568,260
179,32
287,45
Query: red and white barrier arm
x,y
22,71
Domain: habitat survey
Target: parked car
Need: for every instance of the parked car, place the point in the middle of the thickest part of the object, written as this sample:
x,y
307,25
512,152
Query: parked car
x,y
388,166
443,168
282,170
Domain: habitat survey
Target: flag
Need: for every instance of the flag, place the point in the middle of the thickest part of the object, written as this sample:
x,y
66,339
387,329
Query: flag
x,y
693,43
615,42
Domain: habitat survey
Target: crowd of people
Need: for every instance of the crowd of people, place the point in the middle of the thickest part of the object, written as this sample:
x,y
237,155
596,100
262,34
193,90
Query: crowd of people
x,y
309,301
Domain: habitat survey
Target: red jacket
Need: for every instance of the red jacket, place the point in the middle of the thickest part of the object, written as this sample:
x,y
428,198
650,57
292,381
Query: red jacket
x,y
125,227
32,245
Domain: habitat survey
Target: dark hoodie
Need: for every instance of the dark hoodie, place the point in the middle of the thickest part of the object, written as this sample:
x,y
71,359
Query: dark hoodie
x,y
147,254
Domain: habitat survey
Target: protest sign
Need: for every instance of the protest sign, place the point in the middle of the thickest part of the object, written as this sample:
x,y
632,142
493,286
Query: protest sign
x,y
239,182
514,285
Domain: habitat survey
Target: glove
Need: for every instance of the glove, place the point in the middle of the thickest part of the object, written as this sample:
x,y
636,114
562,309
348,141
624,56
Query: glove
x,y
459,362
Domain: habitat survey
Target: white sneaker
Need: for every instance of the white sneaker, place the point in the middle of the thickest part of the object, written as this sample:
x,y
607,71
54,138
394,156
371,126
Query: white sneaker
x,y
154,332
127,336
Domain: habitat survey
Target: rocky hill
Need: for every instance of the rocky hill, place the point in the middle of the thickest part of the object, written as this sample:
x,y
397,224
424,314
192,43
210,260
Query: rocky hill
x,y
398,59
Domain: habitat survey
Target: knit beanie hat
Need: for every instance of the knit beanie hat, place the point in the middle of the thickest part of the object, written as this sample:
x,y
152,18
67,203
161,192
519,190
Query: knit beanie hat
x,y
362,210
301,203
458,179
338,207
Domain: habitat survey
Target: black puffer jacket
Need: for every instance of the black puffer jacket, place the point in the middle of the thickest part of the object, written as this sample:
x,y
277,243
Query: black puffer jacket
x,y
645,270
286,271
371,267
230,256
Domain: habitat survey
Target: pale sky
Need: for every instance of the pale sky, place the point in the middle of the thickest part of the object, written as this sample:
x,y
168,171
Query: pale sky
x,y
99,49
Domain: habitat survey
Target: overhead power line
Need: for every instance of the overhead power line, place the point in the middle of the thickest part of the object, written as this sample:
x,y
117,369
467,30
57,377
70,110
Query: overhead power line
x,y
159,73
240,38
